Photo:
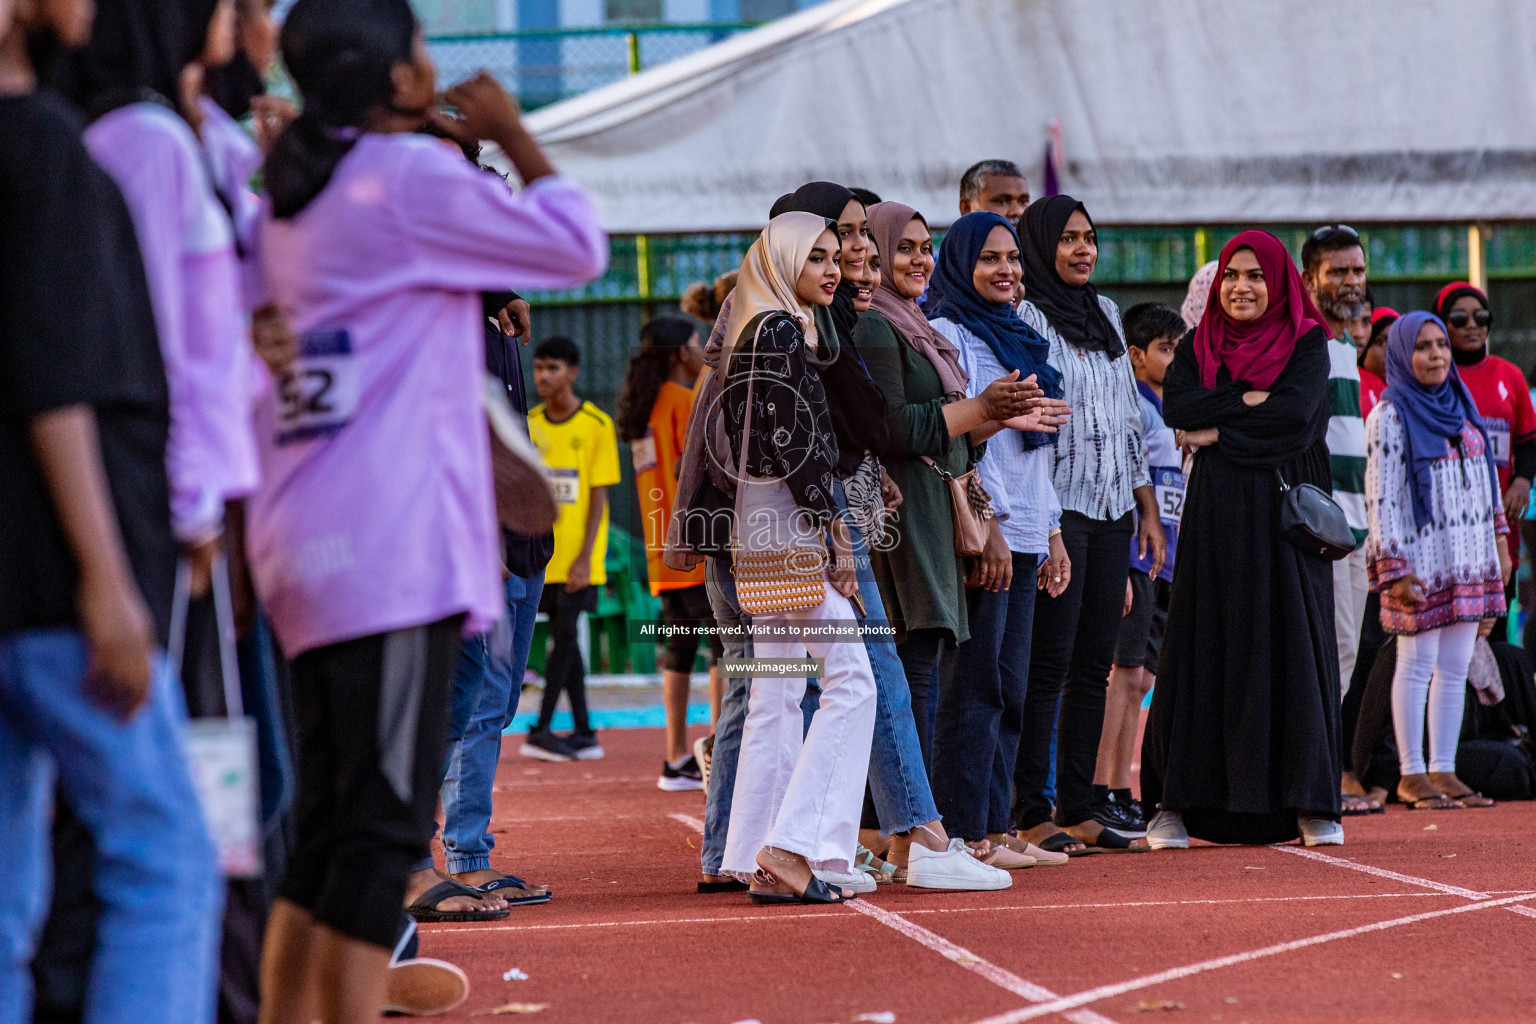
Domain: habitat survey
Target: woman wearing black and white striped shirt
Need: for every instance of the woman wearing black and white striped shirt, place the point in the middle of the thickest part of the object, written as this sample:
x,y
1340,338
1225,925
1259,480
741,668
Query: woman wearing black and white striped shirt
x,y
1100,476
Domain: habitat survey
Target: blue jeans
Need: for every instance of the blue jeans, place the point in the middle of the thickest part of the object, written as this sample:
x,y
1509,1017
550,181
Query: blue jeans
x,y
982,684
898,775
472,759
721,589
156,872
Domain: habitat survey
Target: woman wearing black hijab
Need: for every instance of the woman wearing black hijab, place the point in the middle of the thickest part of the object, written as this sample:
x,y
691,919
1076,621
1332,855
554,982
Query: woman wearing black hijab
x,y
1101,476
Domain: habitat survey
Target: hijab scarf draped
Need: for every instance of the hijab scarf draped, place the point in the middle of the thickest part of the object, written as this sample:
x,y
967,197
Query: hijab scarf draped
x,y
1431,416
1257,350
1072,309
1016,345
768,274
827,199
886,223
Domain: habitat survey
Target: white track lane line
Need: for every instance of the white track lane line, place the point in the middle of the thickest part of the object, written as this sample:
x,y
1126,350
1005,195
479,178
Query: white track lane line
x,y
1093,995
691,822
970,961
1454,890
910,911
956,954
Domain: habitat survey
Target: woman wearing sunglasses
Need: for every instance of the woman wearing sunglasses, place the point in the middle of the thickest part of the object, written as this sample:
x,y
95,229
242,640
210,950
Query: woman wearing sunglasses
x,y
1499,389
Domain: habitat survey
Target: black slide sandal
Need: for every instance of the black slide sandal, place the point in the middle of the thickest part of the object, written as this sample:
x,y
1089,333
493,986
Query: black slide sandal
x,y
1110,841
816,892
1057,842
732,885
422,908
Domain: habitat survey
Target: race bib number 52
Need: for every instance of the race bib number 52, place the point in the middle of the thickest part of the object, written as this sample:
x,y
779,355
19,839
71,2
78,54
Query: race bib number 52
x,y
318,393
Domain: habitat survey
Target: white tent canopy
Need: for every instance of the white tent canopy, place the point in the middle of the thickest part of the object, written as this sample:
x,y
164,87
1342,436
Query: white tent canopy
x,y
1173,111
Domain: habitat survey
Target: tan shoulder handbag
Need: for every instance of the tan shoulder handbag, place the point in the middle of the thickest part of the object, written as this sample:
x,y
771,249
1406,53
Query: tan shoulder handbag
x,y
773,580
970,507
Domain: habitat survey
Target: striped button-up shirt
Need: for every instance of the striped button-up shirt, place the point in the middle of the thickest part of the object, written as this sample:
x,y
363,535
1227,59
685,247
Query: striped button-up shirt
x,y
1101,457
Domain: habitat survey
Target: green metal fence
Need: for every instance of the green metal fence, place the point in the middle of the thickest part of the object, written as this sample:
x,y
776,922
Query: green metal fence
x,y
543,66
659,267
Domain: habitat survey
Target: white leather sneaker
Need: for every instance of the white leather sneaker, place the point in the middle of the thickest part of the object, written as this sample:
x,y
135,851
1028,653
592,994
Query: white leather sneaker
x,y
1320,831
953,868
1166,831
855,881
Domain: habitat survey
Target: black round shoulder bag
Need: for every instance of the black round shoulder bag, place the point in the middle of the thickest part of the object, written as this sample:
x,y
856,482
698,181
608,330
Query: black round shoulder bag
x,y
1312,521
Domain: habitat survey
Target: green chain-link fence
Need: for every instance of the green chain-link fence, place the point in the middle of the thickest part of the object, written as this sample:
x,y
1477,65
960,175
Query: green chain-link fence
x,y
543,66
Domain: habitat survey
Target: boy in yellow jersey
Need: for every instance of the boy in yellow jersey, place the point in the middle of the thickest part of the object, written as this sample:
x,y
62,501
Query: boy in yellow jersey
x,y
580,447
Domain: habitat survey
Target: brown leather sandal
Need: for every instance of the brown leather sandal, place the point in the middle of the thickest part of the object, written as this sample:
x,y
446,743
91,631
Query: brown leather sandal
x,y
1420,794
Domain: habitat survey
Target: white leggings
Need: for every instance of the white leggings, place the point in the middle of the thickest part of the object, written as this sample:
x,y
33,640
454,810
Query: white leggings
x,y
1432,669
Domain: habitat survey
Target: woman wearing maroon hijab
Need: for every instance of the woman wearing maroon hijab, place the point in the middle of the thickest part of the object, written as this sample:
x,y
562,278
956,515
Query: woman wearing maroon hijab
x,y
1242,744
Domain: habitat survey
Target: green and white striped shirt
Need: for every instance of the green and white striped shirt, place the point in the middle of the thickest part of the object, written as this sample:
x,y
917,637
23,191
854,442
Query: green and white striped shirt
x,y
1346,435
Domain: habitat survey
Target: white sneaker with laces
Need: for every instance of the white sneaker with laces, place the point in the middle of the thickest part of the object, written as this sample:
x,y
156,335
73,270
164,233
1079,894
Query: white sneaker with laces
x,y
1166,831
855,881
1320,831
953,868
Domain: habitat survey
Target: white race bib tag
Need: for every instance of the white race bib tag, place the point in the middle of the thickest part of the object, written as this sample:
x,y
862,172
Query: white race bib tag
x,y
566,485
1168,489
1498,440
643,452
318,394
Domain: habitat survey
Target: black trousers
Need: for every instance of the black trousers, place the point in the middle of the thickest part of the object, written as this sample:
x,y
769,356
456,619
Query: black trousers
x,y
1074,646
373,722
563,670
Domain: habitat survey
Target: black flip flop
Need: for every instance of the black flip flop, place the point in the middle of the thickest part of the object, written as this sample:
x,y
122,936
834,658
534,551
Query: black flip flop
x,y
422,908
817,892
509,883
730,885
1057,842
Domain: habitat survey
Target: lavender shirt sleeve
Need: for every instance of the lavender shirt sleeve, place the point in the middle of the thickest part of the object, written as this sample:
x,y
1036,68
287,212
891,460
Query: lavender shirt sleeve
x,y
469,230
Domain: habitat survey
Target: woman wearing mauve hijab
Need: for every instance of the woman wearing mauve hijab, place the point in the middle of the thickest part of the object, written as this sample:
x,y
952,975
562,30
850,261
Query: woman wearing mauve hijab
x,y
1100,474
1242,744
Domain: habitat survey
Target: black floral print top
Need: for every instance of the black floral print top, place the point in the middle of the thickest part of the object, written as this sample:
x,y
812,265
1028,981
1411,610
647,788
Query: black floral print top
x,y
792,437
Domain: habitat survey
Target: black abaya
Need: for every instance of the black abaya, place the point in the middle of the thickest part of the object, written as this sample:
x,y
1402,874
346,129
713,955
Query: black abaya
x,y
1244,728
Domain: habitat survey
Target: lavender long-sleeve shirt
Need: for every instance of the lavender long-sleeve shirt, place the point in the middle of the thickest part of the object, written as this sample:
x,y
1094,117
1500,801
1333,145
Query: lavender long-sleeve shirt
x,y
376,509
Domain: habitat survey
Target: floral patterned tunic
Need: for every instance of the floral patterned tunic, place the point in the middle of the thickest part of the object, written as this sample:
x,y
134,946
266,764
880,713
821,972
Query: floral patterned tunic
x,y
1456,555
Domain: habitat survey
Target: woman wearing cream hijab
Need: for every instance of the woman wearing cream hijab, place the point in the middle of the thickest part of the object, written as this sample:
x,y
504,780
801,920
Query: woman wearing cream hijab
x,y
795,806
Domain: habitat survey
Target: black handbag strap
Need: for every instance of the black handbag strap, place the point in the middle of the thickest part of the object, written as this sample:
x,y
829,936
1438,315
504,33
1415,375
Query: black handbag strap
x,y
1281,477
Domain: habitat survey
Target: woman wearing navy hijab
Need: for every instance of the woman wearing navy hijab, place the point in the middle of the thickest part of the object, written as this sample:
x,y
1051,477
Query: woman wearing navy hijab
x,y
982,682
1435,557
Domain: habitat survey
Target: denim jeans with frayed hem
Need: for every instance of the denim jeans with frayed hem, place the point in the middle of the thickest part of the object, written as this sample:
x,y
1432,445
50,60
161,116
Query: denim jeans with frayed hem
x,y
482,703
472,760
156,871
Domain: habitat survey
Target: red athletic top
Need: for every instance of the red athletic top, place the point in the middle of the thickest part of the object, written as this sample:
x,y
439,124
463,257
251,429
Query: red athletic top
x,y
1504,401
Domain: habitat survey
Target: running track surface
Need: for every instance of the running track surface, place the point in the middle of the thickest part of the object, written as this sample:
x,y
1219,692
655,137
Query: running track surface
x,y
1420,917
